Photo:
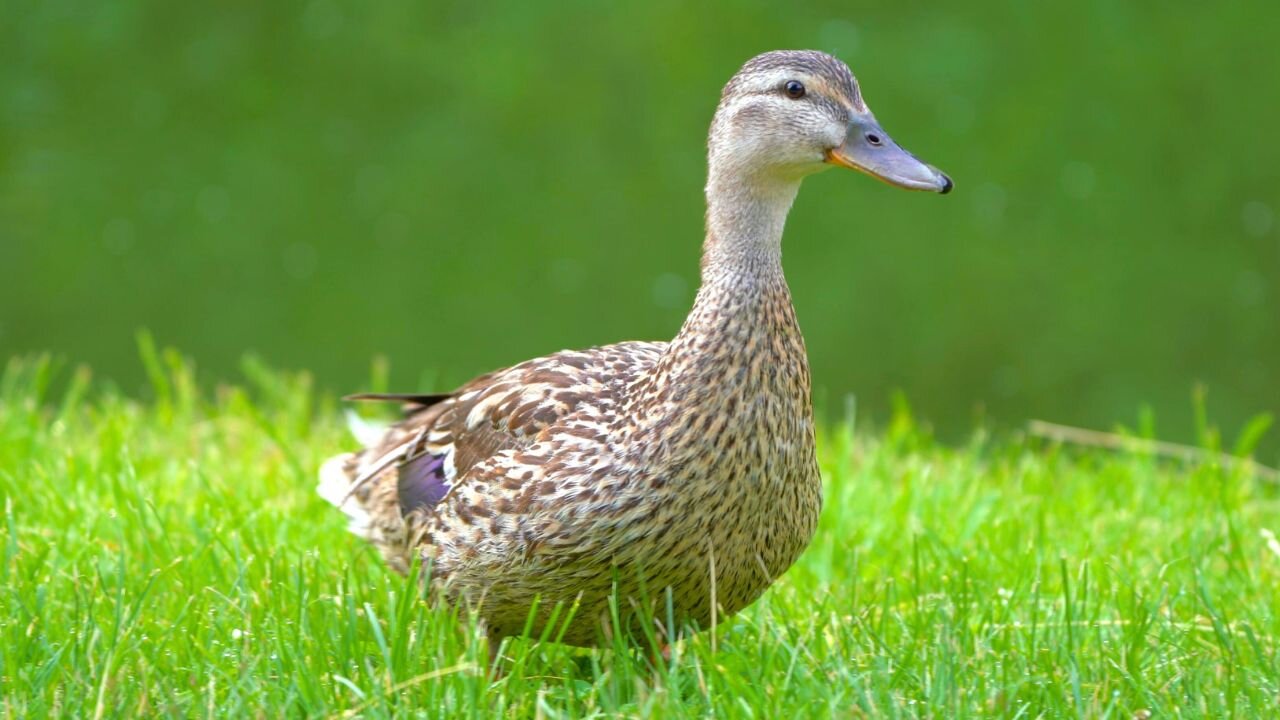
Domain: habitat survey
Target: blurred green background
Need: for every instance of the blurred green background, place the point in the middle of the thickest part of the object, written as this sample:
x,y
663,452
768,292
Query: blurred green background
x,y
462,185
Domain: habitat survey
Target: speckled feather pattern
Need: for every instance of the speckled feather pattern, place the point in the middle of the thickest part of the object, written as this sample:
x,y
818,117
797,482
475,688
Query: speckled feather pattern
x,y
686,467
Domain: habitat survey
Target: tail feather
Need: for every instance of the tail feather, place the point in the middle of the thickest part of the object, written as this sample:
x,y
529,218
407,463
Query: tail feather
x,y
367,432
335,487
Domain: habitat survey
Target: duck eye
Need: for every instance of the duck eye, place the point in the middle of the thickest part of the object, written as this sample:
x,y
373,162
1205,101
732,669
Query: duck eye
x,y
794,89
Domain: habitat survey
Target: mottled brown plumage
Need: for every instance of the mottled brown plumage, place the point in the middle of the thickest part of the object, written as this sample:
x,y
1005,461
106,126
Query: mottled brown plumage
x,y
685,467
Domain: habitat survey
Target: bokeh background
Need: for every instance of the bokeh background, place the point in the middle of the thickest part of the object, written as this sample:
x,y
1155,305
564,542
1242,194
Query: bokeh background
x,y
458,186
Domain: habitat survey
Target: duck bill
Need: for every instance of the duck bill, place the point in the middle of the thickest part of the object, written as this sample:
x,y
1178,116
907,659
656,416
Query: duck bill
x,y
868,149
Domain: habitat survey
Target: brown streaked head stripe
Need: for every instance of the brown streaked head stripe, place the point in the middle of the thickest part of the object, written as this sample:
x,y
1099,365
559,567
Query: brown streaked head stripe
x,y
830,73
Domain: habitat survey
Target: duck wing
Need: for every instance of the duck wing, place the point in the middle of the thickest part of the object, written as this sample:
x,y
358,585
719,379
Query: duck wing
x,y
411,399
418,460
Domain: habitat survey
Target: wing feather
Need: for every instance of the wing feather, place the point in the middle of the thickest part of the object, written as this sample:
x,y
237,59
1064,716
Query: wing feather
x,y
441,437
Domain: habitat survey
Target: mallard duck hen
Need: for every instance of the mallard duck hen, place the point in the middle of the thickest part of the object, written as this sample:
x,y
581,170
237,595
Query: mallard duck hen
x,y
685,467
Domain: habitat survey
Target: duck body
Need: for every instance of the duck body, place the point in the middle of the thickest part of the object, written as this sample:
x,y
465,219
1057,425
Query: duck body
x,y
682,470
618,465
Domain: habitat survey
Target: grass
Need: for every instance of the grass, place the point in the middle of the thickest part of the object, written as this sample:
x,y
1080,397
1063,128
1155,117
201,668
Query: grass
x,y
169,558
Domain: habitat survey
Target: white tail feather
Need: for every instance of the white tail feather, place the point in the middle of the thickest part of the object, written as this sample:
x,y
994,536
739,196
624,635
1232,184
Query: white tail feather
x,y
335,486
367,432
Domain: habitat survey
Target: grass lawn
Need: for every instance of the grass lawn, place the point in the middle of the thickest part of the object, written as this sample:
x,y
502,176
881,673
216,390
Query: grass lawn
x,y
169,557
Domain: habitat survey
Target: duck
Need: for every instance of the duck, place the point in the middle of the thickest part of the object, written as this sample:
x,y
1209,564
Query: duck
x,y
575,490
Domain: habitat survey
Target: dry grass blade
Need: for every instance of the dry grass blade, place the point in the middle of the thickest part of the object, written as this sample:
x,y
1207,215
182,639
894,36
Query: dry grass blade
x,y
460,667
1126,443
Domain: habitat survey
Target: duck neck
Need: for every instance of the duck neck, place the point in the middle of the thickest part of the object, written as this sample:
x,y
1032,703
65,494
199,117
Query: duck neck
x,y
741,336
742,281
744,230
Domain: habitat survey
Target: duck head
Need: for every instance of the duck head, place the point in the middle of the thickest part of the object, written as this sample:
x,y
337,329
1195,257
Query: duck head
x,y
790,113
